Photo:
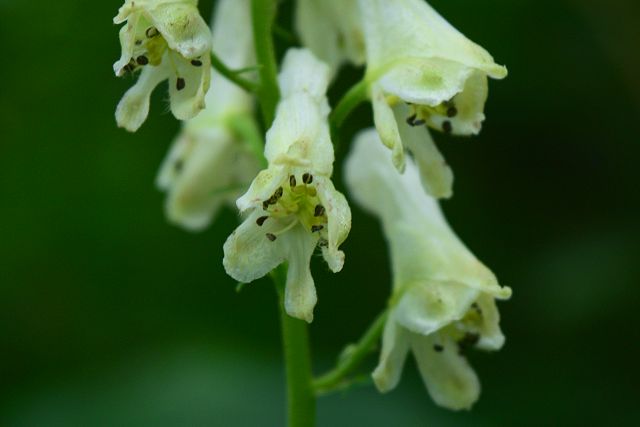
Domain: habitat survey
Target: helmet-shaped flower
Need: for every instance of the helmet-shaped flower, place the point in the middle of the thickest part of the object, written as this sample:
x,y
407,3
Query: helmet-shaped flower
x,y
292,205
166,39
443,299
422,71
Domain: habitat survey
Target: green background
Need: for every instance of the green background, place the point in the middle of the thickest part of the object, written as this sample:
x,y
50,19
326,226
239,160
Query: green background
x,y
111,317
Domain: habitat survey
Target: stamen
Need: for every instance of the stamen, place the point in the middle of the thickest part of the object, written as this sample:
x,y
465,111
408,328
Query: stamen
x,y
307,178
438,348
142,60
180,83
315,228
271,237
292,181
410,119
278,193
452,112
419,122
319,210
196,62
446,126
265,205
151,32
261,220
138,42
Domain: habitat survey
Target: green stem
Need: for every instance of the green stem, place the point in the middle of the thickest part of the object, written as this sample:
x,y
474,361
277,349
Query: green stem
x,y
350,100
337,377
295,338
263,13
231,75
246,127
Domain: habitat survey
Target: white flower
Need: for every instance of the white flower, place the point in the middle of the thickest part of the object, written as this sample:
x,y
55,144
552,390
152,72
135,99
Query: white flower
x,y
292,205
168,39
332,30
443,298
421,70
208,165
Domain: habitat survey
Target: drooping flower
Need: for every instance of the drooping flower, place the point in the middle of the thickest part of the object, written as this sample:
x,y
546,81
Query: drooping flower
x,y
422,71
167,39
332,30
443,299
209,165
292,206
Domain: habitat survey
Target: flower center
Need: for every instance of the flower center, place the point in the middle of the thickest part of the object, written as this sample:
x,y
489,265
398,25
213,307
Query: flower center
x,y
150,48
296,201
420,114
465,332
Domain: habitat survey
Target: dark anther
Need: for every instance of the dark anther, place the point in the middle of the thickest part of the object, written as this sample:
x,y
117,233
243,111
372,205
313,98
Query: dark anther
x,y
142,60
138,42
129,68
318,211
196,62
178,165
180,83
315,228
292,181
452,112
272,200
265,205
307,178
419,122
446,126
438,348
476,307
323,243
468,340
411,119
271,237
151,32
278,193
261,220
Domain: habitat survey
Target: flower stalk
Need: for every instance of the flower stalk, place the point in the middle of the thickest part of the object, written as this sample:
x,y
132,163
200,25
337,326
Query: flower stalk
x,y
263,13
337,377
301,401
232,75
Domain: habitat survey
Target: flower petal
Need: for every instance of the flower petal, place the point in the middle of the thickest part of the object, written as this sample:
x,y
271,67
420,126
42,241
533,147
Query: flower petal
x,y
299,136
262,187
427,307
387,126
469,104
404,29
188,87
436,175
303,72
426,82
182,27
332,30
423,246
300,292
339,221
133,108
395,345
197,176
491,337
249,254
451,381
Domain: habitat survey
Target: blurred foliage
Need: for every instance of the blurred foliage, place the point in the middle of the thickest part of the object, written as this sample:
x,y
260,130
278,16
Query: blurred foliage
x,y
109,316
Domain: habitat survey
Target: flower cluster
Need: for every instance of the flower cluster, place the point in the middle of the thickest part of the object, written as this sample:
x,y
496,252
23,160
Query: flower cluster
x,y
421,74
